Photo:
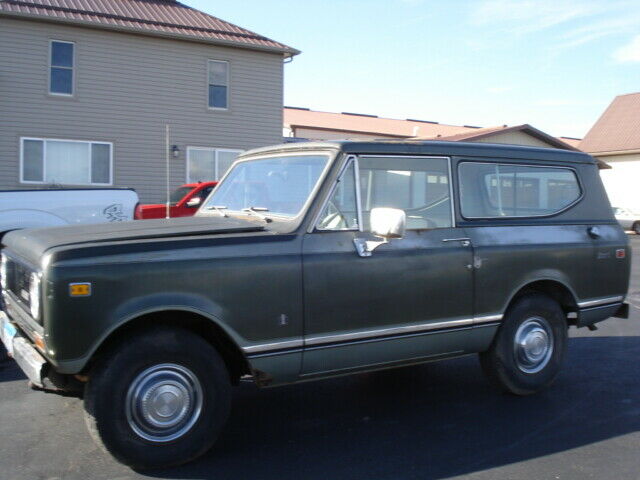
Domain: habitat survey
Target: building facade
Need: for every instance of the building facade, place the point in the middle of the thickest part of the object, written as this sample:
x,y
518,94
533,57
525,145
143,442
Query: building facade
x,y
314,125
86,94
615,139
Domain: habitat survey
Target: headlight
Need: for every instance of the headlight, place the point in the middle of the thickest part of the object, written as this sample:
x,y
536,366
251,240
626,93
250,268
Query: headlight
x,y
34,295
3,272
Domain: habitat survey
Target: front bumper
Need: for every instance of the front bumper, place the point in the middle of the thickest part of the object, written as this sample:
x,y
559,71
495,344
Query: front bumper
x,y
26,356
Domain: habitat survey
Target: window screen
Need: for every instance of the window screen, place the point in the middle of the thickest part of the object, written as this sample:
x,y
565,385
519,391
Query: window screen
x,y
499,190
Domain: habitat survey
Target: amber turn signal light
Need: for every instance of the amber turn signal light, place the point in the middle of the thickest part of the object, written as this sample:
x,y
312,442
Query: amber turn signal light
x,y
79,289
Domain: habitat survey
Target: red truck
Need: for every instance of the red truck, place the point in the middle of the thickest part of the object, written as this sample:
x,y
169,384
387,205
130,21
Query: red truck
x,y
183,202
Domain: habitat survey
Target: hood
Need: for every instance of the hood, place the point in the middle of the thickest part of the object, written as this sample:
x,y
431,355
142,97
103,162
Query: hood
x,y
32,244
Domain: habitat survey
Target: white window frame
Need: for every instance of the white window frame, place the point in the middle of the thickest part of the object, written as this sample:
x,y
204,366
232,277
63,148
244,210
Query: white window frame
x,y
44,160
73,69
220,109
215,167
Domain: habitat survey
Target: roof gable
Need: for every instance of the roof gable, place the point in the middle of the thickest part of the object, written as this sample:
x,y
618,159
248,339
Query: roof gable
x,y
618,128
525,128
154,17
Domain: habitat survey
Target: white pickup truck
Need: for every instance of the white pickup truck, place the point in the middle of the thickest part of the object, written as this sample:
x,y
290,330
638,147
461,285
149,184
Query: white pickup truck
x,y
55,207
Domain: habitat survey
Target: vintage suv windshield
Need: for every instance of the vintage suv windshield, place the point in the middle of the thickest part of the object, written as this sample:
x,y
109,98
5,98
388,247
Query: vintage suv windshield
x,y
274,185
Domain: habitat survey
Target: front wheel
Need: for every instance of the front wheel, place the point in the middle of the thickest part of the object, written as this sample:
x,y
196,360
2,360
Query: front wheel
x,y
527,352
158,399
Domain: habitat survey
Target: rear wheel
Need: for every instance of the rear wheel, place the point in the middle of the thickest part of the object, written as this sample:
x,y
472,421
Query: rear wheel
x,y
159,399
528,350
636,228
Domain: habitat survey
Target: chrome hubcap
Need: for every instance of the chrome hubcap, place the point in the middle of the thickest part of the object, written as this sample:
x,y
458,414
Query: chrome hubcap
x,y
533,345
164,402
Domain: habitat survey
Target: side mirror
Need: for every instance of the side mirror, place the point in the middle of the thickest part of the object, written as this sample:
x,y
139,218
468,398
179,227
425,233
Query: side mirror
x,y
194,202
386,223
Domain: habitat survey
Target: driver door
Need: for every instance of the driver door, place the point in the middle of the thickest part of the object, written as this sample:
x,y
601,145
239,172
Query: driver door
x,y
412,298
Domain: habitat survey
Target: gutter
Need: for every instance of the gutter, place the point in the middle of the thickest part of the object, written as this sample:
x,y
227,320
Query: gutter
x,y
615,153
390,136
287,52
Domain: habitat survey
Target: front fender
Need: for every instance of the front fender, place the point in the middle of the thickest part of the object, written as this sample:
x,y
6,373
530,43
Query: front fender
x,y
140,306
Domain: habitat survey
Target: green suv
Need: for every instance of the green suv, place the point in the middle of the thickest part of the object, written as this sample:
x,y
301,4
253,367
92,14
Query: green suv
x,y
313,260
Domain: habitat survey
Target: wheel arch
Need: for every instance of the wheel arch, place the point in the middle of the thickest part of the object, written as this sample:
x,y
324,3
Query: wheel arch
x,y
557,290
189,319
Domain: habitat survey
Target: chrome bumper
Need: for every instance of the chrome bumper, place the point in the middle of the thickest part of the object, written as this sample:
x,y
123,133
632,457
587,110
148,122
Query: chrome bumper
x,y
26,356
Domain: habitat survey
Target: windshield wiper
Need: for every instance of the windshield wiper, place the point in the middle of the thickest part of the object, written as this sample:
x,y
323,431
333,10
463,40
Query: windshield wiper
x,y
256,211
218,209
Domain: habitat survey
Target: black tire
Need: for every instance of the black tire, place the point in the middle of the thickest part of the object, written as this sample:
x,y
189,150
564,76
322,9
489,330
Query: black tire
x,y
115,398
636,228
508,367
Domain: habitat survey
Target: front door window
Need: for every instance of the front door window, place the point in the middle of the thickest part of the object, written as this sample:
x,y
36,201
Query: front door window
x,y
419,186
341,211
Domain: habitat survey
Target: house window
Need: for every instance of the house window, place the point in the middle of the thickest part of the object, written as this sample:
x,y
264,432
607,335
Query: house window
x,y
218,84
65,162
61,63
207,164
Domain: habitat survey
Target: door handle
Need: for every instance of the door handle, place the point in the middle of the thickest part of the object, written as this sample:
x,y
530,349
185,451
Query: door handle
x,y
465,241
594,232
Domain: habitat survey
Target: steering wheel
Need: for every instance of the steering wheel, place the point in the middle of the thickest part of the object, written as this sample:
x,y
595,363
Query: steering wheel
x,y
334,219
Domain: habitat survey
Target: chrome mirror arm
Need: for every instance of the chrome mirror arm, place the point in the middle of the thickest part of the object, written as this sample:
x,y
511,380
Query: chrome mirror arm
x,y
366,247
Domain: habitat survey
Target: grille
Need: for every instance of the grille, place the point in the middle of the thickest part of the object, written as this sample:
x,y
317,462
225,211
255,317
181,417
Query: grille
x,y
18,279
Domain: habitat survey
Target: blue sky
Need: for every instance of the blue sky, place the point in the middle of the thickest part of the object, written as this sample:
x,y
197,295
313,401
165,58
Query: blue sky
x,y
555,64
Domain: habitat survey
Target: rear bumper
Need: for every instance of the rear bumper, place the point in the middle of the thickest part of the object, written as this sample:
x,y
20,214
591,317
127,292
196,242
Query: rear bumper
x,y
26,356
590,316
623,311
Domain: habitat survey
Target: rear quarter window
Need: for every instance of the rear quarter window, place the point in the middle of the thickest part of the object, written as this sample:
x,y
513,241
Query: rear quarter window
x,y
491,190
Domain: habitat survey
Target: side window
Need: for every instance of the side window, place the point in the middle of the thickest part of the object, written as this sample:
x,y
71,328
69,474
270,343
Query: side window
x,y
204,193
341,211
419,186
499,190
61,64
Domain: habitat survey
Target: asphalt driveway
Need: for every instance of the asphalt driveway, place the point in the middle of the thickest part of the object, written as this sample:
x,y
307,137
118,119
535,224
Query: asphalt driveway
x,y
439,420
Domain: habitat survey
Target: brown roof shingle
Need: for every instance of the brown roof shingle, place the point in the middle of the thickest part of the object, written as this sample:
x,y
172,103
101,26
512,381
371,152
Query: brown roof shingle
x,y
160,17
618,129
367,124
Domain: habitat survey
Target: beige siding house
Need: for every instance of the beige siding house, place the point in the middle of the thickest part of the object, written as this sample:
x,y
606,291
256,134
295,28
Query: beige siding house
x,y
615,139
87,87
